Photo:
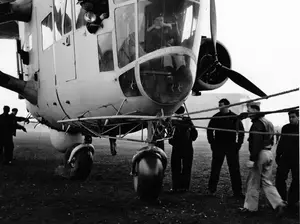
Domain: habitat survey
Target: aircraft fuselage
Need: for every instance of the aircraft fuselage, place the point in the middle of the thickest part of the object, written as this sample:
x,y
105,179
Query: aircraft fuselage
x,y
116,70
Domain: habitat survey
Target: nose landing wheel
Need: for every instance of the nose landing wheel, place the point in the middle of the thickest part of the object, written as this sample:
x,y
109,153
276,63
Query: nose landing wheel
x,y
81,165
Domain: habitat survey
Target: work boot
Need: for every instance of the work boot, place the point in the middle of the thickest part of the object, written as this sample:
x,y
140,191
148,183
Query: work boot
x,y
247,212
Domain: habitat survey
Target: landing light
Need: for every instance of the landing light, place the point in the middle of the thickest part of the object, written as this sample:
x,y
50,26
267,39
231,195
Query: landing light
x,y
90,17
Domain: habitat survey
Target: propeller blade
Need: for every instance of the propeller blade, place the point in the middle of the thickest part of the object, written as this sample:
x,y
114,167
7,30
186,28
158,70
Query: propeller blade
x,y
213,25
233,75
241,81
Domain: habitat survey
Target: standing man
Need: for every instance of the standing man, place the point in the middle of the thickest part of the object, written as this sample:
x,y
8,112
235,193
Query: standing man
x,y
287,158
6,129
260,146
225,143
13,127
182,152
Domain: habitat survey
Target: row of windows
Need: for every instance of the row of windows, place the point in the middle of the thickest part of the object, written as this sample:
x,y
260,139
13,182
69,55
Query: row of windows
x,y
62,21
62,12
64,26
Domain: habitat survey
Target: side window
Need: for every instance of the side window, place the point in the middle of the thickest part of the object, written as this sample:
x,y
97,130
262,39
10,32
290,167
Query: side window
x,y
68,17
58,15
119,1
105,53
29,46
79,17
47,31
125,27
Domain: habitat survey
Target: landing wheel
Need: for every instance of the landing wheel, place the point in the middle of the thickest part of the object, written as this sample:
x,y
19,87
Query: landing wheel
x,y
149,180
81,165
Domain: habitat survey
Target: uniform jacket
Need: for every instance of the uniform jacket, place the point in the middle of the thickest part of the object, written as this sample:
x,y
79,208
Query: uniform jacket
x,y
258,142
225,137
185,133
288,146
6,126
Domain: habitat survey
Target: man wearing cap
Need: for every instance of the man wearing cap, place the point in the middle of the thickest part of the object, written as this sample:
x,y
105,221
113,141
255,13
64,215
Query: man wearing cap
x,y
182,152
260,146
287,158
225,143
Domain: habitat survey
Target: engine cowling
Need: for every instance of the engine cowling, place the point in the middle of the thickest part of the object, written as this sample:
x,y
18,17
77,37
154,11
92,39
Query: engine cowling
x,y
61,140
209,80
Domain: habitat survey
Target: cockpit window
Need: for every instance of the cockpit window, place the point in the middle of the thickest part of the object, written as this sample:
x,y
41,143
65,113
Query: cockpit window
x,y
79,16
68,18
58,16
105,53
167,23
125,25
47,31
120,1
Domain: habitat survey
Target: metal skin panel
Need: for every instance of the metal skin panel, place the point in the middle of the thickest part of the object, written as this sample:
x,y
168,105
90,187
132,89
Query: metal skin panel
x,y
64,54
71,73
48,104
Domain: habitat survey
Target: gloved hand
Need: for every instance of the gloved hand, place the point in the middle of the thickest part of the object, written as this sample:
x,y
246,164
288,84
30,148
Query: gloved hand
x,y
250,164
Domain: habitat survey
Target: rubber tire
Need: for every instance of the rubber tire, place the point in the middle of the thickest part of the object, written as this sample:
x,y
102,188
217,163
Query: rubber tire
x,y
149,187
82,166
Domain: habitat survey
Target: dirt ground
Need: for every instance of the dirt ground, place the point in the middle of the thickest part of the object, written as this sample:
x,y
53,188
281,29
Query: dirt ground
x,y
30,192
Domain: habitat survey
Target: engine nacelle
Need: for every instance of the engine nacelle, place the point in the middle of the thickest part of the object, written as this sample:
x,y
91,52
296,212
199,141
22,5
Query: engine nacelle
x,y
61,140
210,80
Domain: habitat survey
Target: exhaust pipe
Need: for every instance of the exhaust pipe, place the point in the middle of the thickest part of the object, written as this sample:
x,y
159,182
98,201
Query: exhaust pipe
x,y
27,89
19,10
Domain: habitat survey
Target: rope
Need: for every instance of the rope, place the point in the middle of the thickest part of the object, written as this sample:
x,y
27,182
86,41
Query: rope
x,y
247,101
237,131
246,114
250,132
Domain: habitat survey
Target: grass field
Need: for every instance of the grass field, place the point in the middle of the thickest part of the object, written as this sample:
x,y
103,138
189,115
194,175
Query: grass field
x,y
30,192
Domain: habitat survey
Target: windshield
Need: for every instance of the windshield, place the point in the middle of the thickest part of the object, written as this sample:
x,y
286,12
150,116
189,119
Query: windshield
x,y
161,24
166,23
166,30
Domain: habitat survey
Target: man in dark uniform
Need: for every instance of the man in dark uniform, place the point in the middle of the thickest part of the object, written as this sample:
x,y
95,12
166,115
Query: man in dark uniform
x,y
182,152
6,129
224,143
14,119
287,158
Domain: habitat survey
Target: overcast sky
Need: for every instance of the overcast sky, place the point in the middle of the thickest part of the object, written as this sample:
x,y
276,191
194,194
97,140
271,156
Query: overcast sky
x,y
262,37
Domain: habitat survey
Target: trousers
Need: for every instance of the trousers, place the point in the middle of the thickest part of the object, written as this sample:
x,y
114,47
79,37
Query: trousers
x,y
232,158
181,167
259,177
283,170
6,148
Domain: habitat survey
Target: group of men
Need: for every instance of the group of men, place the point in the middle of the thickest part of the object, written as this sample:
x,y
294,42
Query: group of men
x,y
8,126
225,134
